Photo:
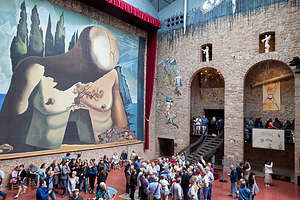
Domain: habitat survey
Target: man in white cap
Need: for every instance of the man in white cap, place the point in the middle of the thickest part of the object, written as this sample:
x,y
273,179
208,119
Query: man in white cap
x,y
154,189
103,192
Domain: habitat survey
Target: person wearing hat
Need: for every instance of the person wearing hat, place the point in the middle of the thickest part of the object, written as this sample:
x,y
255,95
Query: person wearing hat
x,y
155,189
233,181
244,192
76,195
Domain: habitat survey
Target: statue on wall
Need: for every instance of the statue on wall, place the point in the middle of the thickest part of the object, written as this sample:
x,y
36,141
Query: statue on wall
x,y
266,41
206,52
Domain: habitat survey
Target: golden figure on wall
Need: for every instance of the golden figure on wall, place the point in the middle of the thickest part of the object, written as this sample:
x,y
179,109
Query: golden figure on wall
x,y
271,96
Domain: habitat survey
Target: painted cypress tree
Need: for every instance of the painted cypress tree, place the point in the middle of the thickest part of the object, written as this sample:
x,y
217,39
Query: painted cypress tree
x,y
72,42
36,44
60,36
18,48
49,43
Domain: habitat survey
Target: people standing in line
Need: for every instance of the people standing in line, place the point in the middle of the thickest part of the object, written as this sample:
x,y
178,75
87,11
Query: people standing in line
x,y
2,176
252,185
198,125
133,182
268,173
220,126
211,180
204,123
144,184
155,189
21,181
233,181
244,192
127,172
206,182
176,190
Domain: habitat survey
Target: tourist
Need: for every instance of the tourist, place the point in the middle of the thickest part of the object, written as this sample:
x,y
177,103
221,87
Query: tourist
x,y
2,176
204,123
268,173
193,189
115,161
240,175
144,184
176,190
252,185
127,172
65,171
211,179
42,192
67,157
277,124
21,181
92,175
72,181
244,192
155,189
33,172
233,181
165,187
139,184
246,171
56,170
206,184
133,182
213,126
14,175
42,172
123,158
103,193
220,126
50,180
76,195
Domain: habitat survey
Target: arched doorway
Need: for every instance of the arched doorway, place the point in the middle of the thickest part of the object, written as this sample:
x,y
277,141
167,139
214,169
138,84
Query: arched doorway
x,y
269,93
207,98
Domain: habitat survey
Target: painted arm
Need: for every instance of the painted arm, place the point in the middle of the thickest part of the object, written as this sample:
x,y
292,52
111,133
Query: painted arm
x,y
118,112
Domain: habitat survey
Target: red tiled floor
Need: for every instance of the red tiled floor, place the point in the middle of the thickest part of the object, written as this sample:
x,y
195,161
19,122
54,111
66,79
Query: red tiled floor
x,y
116,179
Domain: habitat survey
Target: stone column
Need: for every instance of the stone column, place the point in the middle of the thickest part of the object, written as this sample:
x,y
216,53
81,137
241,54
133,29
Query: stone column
x,y
233,133
297,128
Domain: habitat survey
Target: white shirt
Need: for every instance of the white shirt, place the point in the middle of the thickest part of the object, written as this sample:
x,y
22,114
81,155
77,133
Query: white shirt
x,y
2,174
176,191
268,168
192,193
164,183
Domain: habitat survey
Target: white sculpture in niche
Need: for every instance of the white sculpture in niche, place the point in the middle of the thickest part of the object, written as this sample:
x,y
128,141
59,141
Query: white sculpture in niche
x,y
266,41
206,52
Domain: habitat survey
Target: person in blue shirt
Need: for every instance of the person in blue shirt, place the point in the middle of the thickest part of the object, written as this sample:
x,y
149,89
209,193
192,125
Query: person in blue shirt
x,y
204,123
92,176
42,192
244,192
233,180
124,156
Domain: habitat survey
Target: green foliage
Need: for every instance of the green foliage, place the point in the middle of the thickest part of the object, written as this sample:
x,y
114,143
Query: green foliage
x,y
49,43
36,44
18,48
60,36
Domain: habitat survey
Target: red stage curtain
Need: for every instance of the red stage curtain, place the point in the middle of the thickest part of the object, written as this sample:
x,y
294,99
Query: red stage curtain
x,y
134,11
150,72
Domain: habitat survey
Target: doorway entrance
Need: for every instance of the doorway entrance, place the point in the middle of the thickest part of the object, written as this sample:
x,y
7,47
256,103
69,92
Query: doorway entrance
x,y
210,113
166,147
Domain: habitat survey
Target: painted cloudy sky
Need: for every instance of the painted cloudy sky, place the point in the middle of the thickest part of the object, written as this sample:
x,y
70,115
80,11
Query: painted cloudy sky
x,y
9,18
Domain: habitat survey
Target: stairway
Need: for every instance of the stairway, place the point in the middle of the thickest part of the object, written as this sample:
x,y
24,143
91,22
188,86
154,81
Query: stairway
x,y
209,146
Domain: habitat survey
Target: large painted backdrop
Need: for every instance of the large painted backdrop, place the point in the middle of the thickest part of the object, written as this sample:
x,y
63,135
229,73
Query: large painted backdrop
x,y
66,79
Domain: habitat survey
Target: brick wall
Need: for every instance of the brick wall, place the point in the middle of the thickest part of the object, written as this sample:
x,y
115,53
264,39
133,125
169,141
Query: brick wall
x,y
238,36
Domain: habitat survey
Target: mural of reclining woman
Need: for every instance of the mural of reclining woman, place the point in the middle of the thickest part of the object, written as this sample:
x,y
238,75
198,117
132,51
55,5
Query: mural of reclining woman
x,y
43,92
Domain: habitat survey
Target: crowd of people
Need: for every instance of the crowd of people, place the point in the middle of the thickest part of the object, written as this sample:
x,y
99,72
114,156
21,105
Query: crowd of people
x,y
68,177
183,180
288,127
160,179
202,125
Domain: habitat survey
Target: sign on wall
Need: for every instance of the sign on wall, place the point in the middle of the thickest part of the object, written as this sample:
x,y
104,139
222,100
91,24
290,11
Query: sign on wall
x,y
66,79
271,96
268,139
